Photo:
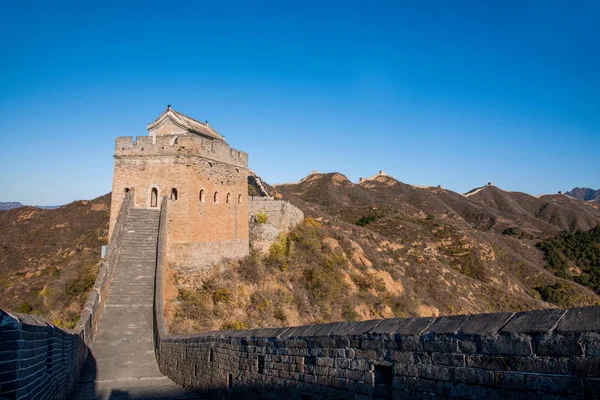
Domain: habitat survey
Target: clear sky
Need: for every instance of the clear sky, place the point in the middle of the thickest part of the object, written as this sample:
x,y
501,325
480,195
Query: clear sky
x,y
456,93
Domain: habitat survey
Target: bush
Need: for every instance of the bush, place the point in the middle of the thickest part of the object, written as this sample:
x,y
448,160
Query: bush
x,y
512,231
262,217
366,220
580,248
557,294
24,308
235,325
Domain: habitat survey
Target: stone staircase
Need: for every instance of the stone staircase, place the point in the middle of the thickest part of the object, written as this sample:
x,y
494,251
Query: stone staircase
x,y
121,364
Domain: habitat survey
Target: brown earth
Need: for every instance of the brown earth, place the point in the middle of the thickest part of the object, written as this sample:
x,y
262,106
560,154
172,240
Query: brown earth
x,y
49,259
420,251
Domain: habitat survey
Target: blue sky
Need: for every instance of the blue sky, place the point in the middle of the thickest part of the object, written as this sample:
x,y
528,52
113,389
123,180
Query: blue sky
x,y
456,93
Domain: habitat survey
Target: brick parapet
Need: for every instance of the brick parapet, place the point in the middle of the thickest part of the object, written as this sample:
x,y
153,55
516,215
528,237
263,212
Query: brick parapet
x,y
182,145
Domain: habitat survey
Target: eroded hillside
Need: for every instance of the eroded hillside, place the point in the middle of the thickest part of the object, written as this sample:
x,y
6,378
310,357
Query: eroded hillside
x,y
382,249
49,259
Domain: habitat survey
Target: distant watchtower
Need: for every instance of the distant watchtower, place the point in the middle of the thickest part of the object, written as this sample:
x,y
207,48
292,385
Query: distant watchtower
x,y
205,180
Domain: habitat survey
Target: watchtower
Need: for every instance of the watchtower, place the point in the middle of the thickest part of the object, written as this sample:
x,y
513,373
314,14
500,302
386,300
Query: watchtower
x,y
204,179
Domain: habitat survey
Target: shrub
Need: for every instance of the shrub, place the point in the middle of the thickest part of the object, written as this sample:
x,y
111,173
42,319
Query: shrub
x,y
221,296
349,314
512,231
366,220
24,308
262,217
235,325
279,315
368,281
557,294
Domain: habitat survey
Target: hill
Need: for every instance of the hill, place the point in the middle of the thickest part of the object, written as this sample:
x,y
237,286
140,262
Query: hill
x,y
49,257
382,248
585,194
10,205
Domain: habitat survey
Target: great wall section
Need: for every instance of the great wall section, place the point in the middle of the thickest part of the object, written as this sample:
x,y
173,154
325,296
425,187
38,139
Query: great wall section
x,y
121,349
538,354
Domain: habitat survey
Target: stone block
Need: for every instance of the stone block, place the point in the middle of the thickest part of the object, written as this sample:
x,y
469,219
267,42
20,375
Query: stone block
x,y
508,345
407,370
537,321
414,326
489,362
581,319
410,343
473,376
467,346
437,372
326,329
446,325
542,365
454,360
485,324
553,384
354,328
510,380
555,345
388,326
585,367
440,344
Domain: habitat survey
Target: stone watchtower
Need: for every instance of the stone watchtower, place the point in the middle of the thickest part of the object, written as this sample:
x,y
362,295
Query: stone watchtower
x,y
204,179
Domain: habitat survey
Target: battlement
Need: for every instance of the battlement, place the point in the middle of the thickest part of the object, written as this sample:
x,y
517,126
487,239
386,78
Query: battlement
x,y
184,145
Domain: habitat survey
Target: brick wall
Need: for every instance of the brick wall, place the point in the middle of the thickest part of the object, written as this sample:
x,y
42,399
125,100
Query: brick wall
x,y
538,354
39,360
205,228
282,214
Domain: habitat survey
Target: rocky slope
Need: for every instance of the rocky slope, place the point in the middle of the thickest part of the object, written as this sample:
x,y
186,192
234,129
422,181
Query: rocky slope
x,y
382,248
49,257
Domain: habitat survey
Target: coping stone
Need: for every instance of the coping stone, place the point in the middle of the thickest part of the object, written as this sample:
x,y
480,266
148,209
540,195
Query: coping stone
x,y
388,326
326,329
485,324
447,325
537,321
580,319
355,328
304,330
414,326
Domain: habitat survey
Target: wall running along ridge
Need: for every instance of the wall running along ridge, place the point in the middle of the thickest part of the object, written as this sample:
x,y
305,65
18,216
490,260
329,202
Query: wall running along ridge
x,y
537,354
39,359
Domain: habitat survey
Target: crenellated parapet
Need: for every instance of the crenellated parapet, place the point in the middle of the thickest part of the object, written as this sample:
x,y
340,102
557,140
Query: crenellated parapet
x,y
184,145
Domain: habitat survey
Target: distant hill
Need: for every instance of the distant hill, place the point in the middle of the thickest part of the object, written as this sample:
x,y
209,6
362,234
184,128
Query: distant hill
x,y
382,248
49,258
585,194
10,205
15,204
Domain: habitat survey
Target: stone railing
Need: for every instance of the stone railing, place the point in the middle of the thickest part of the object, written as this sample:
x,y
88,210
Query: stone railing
x,y
543,354
41,360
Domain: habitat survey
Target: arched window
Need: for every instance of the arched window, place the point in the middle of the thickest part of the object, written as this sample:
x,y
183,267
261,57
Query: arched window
x,y
154,197
201,197
173,195
228,198
216,197
239,199
126,190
